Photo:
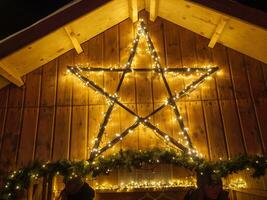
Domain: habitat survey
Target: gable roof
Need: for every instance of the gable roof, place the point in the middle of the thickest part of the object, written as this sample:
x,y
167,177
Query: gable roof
x,y
44,41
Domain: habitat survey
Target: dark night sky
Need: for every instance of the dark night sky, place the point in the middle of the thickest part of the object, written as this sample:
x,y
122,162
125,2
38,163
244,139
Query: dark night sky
x,y
18,14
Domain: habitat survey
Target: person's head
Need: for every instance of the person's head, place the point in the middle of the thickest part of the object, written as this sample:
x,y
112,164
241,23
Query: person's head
x,y
210,184
73,185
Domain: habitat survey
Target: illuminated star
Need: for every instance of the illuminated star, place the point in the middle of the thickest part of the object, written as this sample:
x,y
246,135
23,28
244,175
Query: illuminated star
x,y
170,101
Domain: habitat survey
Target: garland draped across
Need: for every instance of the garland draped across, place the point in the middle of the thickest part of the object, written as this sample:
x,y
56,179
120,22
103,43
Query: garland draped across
x,y
132,159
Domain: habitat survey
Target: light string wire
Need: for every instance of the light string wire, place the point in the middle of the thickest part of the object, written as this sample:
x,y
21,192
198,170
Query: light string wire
x,y
171,101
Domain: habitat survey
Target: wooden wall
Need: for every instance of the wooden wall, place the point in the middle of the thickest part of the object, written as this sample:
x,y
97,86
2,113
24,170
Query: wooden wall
x,y
53,116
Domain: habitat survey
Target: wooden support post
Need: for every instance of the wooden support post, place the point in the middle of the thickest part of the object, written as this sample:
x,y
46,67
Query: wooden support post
x,y
11,75
133,10
217,33
153,10
73,39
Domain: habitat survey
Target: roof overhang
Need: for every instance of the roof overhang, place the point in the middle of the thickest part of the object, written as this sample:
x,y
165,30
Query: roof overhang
x,y
68,28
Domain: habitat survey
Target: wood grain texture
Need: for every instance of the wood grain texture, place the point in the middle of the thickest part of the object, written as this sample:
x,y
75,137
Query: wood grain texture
x,y
55,117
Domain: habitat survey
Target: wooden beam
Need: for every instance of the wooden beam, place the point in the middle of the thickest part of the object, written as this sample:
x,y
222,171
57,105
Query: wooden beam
x,y
236,9
73,39
133,10
218,31
254,192
153,10
10,75
48,25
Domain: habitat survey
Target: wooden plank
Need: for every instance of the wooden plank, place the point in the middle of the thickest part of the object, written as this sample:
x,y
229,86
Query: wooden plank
x,y
111,58
153,10
262,102
27,144
72,36
145,134
95,58
3,112
62,133
223,77
261,106
156,31
232,127
4,93
111,81
165,121
259,194
204,58
10,139
197,131
33,87
65,80
258,91
44,140
142,59
80,92
126,120
143,88
173,54
126,36
78,145
159,90
235,141
212,110
218,31
247,114
49,84
95,118
127,92
215,130
177,83
16,96
11,75
189,57
133,10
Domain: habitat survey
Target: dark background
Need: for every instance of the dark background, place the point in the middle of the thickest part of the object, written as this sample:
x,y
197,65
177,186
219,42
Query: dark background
x,y
18,14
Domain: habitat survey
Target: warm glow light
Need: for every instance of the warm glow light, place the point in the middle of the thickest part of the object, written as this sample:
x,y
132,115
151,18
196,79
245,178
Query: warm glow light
x,y
112,100
148,184
237,183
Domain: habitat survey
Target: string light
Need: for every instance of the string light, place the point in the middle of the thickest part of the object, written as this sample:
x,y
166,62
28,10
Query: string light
x,y
148,185
113,99
237,183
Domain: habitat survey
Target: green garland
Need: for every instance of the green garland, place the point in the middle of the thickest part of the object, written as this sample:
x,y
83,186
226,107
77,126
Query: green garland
x,y
19,180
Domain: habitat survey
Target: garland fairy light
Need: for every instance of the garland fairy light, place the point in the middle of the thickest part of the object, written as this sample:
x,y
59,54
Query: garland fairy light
x,y
187,156
131,159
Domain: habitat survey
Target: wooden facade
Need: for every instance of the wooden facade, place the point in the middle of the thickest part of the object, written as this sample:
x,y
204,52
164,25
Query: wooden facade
x,y
54,116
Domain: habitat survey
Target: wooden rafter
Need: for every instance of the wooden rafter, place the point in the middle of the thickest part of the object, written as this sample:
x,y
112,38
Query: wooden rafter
x,y
153,10
218,31
133,10
73,39
50,24
10,75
